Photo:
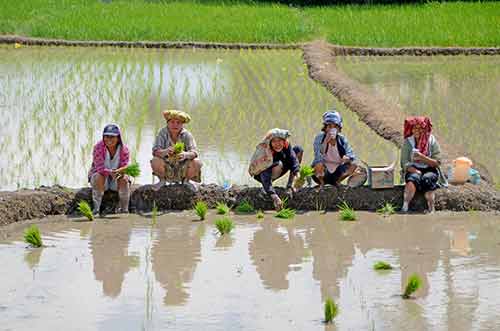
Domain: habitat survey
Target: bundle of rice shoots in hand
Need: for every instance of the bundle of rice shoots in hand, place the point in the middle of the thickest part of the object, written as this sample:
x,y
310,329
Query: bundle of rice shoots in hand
x,y
304,173
178,147
132,170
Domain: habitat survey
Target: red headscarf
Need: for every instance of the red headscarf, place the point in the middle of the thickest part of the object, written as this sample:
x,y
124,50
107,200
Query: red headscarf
x,y
425,123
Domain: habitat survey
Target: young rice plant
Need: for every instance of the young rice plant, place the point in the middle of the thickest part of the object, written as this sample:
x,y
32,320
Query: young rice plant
x,y
387,209
245,207
286,213
414,282
85,210
132,170
224,225
331,310
346,212
32,236
201,209
222,208
381,265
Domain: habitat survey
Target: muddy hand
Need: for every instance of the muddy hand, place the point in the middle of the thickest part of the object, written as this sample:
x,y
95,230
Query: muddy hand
x,y
278,204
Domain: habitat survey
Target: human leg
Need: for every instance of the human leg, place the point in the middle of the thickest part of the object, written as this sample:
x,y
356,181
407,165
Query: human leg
x,y
97,182
411,186
124,193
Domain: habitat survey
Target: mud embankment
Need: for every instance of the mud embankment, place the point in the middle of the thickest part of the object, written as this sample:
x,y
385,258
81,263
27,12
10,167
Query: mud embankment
x,y
27,204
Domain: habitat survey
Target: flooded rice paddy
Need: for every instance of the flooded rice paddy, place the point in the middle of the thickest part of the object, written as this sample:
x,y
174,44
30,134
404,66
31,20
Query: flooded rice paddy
x,y
54,102
459,93
127,274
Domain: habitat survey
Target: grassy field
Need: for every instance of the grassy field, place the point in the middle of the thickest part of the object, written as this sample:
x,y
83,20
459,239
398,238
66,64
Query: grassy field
x,y
432,24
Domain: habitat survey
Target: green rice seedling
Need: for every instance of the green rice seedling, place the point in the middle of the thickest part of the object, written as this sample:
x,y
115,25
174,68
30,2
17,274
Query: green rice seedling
x,y
387,209
414,282
304,173
32,236
222,208
260,214
381,265
201,209
346,212
85,210
178,147
224,225
286,213
245,207
132,170
331,310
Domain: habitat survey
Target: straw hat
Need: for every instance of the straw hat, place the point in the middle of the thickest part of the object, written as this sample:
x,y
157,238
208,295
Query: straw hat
x,y
177,114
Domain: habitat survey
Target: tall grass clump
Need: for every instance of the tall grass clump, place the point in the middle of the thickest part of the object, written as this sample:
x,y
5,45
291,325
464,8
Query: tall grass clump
x,y
346,212
381,265
201,209
32,236
245,207
222,208
331,310
305,172
224,225
132,170
85,210
386,209
414,282
286,213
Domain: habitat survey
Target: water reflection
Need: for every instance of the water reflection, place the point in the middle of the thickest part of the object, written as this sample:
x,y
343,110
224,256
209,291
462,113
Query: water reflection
x,y
109,247
32,257
175,254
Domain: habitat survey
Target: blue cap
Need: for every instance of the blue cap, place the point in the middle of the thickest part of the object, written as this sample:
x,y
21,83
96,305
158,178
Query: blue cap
x,y
332,117
111,130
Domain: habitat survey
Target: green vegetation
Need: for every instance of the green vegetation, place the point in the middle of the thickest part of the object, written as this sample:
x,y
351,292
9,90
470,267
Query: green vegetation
x,y
346,213
413,284
286,213
133,170
178,147
331,310
443,24
85,210
222,208
245,207
387,209
154,213
201,209
32,236
260,214
381,265
224,225
304,173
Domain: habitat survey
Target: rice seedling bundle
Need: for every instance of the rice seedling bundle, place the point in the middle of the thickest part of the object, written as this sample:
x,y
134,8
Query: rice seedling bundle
x,y
286,213
260,214
387,209
32,236
133,170
346,212
331,310
381,265
201,209
245,207
414,282
222,208
85,210
304,173
224,225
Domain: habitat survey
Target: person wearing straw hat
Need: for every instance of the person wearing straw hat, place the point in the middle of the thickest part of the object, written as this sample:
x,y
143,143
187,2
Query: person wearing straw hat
x,y
109,158
333,156
168,165
273,158
420,161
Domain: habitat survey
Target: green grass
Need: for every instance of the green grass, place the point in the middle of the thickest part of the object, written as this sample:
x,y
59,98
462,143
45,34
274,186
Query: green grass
x,y
224,225
387,209
414,282
222,208
346,213
32,236
437,24
133,170
201,208
331,310
245,207
85,210
154,213
381,265
285,213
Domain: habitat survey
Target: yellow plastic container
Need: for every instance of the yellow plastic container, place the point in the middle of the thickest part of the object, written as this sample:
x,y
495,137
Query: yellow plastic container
x,y
461,167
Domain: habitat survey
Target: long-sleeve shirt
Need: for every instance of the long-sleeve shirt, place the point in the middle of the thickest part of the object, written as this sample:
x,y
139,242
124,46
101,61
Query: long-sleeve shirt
x,y
163,140
320,149
99,157
290,162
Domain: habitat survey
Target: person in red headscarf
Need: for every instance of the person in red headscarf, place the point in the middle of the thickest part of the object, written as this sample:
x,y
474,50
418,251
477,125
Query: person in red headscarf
x,y
420,160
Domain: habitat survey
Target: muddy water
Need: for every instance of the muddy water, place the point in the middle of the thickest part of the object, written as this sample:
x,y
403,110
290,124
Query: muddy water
x,y
459,93
54,102
269,275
